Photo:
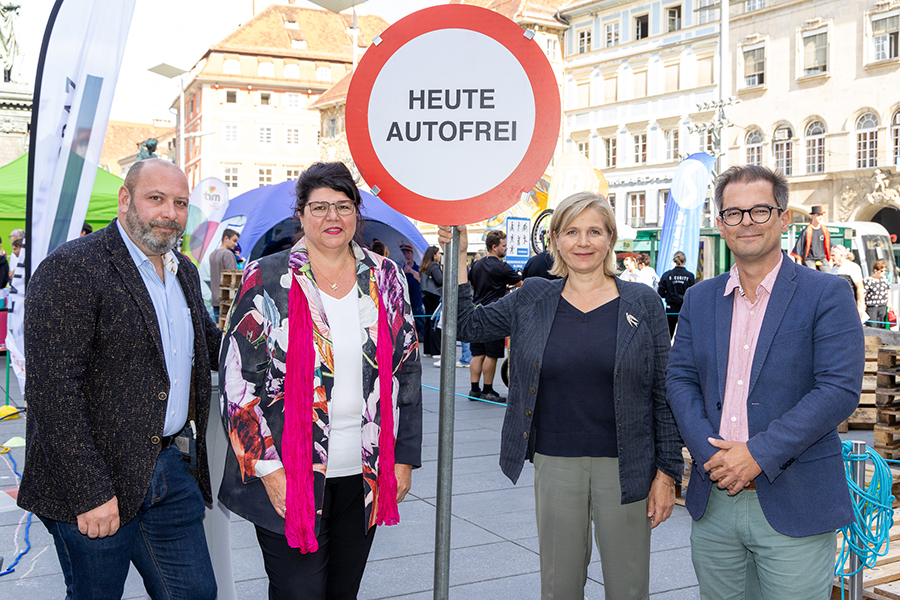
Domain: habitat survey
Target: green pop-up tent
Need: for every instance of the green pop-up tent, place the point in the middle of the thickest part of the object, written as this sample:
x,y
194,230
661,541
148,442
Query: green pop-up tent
x,y
14,183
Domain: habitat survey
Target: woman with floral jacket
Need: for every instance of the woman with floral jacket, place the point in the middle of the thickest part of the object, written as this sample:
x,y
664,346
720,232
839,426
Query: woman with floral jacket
x,y
321,396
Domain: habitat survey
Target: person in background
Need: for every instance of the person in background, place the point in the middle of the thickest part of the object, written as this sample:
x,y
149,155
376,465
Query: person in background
x,y
380,249
631,272
411,269
431,276
813,246
646,273
321,396
877,291
672,287
540,264
843,266
15,234
86,229
767,362
490,277
221,259
586,403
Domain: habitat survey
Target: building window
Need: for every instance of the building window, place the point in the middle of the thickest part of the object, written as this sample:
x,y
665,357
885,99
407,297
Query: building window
x,y
292,173
751,5
641,27
232,66
298,44
705,75
755,66
640,84
323,74
292,136
331,128
584,41
884,35
612,34
637,209
232,133
709,143
265,176
673,18
783,148
191,108
291,25
610,89
552,48
231,176
265,98
640,148
292,100
815,147
895,136
815,53
291,71
265,69
611,198
584,93
672,144
707,11
754,142
584,148
231,97
867,141
609,146
672,74
265,135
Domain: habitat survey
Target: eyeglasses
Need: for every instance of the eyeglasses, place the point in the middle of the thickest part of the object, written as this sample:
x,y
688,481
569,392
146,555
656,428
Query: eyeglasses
x,y
759,214
320,209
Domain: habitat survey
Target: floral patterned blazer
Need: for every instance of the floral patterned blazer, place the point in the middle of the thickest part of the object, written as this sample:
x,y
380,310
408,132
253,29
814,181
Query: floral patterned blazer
x,y
252,376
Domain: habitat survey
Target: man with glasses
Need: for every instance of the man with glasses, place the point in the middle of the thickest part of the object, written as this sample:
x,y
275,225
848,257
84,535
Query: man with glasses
x,y
767,362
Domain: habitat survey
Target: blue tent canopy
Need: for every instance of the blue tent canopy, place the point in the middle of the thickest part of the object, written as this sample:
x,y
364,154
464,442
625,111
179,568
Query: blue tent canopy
x,y
267,206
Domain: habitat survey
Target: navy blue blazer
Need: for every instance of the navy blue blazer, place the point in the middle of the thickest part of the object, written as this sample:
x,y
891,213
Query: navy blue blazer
x,y
805,380
648,437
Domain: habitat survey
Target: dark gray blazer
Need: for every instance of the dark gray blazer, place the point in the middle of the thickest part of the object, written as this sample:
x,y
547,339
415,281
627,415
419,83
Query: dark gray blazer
x,y
97,383
648,438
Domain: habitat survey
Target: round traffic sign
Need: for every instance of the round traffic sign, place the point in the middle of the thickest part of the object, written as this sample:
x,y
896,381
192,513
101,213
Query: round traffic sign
x,y
453,113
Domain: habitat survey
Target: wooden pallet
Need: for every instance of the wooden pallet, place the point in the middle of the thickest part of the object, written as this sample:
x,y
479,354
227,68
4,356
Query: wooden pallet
x,y
866,415
887,402
228,288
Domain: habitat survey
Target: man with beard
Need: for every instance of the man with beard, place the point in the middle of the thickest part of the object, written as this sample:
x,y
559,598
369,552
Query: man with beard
x,y
119,349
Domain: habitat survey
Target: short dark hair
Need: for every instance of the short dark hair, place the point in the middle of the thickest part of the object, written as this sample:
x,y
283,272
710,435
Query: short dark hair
x,y
644,260
333,175
378,247
493,238
87,228
749,174
679,258
229,233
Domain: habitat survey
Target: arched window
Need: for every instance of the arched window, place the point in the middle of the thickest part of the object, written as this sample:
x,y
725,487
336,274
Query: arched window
x,y
815,147
783,149
754,147
895,137
867,141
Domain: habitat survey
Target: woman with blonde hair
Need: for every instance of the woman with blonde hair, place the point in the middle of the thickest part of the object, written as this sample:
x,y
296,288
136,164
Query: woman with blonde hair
x,y
587,403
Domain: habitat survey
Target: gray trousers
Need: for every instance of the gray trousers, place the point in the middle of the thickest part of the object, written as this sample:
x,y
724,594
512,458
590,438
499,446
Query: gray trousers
x,y
572,493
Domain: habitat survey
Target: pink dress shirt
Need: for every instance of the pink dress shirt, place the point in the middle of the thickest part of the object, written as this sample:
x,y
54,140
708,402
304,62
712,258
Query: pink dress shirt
x,y
746,321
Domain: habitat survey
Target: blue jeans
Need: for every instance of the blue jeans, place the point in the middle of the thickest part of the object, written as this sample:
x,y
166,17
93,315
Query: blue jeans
x,y
465,354
165,541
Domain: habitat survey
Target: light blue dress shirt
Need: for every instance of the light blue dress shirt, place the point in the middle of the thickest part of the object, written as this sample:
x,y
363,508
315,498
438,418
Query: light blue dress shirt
x,y
175,329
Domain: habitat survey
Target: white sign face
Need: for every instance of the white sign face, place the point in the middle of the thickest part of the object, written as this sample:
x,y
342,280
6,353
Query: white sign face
x,y
470,111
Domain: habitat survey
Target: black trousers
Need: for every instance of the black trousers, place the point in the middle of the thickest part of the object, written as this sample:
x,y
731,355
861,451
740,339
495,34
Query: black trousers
x,y
335,570
432,341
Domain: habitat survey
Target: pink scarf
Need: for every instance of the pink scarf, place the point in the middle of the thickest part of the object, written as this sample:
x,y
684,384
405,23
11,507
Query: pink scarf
x,y
296,443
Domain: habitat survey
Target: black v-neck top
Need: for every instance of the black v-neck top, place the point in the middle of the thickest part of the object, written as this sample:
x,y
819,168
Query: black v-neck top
x,y
575,411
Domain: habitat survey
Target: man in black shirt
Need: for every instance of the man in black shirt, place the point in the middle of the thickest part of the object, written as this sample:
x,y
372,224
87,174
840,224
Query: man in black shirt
x,y
813,247
672,286
489,276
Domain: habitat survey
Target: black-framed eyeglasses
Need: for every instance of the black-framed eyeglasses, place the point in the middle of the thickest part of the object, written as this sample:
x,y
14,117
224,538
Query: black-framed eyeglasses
x,y
320,209
759,214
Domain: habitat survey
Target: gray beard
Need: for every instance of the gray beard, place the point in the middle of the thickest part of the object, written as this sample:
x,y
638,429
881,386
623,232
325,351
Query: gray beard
x,y
143,231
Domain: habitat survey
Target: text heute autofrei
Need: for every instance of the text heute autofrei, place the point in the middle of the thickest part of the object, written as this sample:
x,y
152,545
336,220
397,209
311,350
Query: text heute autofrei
x,y
448,131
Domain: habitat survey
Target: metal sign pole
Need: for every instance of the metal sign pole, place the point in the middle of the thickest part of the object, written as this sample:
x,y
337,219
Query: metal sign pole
x,y
445,422
858,472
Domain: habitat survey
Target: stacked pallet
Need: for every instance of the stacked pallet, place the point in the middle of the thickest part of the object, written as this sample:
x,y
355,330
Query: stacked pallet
x,y
228,289
887,398
866,414
882,582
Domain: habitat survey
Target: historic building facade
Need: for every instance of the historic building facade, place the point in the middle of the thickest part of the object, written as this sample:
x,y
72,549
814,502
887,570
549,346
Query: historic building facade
x,y
819,83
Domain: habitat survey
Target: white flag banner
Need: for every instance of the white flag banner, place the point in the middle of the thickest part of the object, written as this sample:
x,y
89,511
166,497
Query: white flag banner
x,y
76,79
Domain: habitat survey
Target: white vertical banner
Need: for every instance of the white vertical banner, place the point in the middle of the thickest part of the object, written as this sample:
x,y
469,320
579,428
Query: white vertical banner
x,y
76,79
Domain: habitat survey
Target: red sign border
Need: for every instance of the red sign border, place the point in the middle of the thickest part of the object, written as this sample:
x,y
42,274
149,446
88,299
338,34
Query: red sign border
x,y
546,127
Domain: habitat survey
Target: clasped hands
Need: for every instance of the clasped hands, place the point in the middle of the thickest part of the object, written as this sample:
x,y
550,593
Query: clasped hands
x,y
732,468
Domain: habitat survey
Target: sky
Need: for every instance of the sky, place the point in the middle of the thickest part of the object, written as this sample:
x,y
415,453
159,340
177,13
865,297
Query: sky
x,y
176,32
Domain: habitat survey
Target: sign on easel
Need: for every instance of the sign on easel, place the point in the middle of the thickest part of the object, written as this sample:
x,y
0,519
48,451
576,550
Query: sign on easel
x,y
452,114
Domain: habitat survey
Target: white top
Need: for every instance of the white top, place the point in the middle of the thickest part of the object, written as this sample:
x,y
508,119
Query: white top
x,y
848,267
347,403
